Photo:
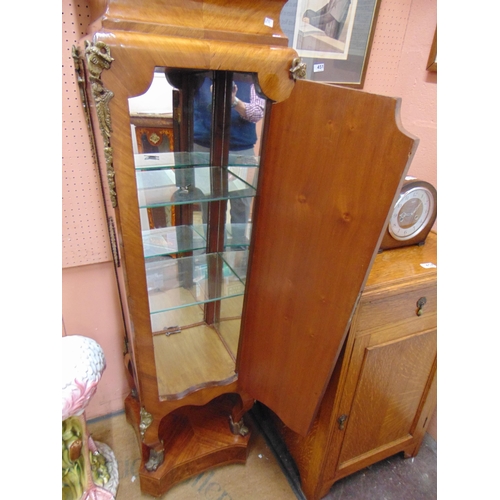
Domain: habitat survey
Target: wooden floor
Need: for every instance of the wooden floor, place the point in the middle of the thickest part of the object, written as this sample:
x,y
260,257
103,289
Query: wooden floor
x,y
269,472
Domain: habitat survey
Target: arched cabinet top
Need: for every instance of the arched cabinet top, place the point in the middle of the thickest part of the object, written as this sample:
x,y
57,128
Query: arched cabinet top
x,y
240,36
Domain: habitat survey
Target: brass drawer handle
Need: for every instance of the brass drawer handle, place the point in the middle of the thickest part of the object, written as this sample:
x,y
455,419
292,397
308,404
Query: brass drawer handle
x,y
420,305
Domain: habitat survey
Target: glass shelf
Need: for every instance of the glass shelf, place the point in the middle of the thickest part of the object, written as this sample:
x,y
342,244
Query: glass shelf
x,y
238,160
179,186
235,235
158,161
183,283
179,239
172,240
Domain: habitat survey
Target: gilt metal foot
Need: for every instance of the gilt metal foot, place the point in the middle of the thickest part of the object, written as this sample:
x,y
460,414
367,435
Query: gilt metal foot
x,y
155,460
238,427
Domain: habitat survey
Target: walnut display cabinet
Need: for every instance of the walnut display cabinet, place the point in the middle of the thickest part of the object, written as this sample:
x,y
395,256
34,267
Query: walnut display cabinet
x,y
382,394
221,313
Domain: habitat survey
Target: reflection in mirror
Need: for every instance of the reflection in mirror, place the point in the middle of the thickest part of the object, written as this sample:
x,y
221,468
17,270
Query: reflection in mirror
x,y
151,122
247,109
196,179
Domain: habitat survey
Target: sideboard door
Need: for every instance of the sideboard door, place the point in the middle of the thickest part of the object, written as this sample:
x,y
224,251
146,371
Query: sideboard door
x,y
332,165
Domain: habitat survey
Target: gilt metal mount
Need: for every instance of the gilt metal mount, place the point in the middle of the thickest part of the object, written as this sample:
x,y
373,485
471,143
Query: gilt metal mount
x,y
298,69
98,57
146,421
238,427
155,460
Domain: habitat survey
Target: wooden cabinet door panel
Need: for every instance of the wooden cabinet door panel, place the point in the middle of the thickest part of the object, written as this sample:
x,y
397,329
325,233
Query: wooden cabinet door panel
x,y
392,381
333,163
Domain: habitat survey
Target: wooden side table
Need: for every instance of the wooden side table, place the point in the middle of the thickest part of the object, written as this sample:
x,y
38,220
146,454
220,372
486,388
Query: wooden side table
x,y
383,390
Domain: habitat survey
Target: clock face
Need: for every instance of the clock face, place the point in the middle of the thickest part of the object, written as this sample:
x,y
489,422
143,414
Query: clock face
x,y
411,213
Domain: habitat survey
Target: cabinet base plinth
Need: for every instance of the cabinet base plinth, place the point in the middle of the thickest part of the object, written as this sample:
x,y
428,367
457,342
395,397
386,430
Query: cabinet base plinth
x,y
196,439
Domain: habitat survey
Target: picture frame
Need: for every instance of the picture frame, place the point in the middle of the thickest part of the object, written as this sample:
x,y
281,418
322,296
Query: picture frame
x,y
432,64
335,47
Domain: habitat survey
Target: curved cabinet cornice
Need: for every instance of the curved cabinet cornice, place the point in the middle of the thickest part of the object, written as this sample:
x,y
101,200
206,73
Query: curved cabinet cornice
x,y
244,36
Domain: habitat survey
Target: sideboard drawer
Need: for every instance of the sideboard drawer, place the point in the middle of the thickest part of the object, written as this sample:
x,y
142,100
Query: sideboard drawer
x,y
398,310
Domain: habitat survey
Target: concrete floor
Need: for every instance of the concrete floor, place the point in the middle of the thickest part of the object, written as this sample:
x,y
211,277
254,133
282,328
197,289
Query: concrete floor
x,y
395,478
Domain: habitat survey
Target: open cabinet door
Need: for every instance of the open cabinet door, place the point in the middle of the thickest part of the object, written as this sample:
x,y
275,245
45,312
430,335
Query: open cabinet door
x,y
333,164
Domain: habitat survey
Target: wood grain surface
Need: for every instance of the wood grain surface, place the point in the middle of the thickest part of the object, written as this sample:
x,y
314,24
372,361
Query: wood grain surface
x,y
333,163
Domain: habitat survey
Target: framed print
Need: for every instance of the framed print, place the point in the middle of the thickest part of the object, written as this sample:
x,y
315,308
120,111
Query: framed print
x,y
333,37
432,64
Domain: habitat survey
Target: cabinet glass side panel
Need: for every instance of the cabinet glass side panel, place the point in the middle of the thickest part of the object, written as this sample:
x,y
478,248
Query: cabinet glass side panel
x,y
229,323
236,236
190,281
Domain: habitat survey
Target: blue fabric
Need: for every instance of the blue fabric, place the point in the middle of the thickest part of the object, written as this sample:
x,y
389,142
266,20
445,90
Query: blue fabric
x,y
243,133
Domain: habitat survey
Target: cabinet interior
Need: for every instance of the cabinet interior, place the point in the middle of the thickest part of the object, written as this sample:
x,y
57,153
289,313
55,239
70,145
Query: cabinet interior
x,y
195,203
